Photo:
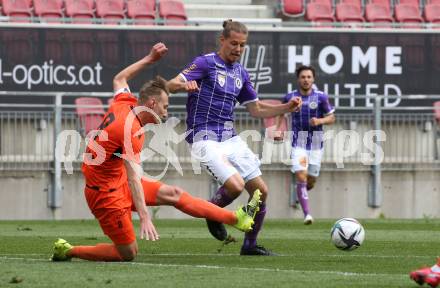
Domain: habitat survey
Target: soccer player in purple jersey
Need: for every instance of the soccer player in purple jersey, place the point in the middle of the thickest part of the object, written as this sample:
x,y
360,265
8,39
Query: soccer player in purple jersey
x,y
307,146
215,82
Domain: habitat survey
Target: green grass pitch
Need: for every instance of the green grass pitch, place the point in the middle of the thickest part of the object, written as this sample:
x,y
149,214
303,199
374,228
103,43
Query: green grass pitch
x,y
187,256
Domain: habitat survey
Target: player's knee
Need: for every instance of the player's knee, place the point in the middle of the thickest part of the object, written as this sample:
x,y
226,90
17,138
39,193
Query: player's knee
x,y
169,195
235,187
129,255
175,193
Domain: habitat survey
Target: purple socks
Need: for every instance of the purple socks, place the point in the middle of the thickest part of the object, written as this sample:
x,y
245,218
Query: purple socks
x,y
221,198
303,196
250,238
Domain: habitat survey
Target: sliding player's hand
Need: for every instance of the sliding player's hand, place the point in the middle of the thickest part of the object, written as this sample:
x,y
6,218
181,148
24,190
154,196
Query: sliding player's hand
x,y
191,86
148,231
157,51
295,104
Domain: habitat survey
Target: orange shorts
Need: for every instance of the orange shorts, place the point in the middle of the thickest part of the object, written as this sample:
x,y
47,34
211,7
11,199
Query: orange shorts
x,y
113,209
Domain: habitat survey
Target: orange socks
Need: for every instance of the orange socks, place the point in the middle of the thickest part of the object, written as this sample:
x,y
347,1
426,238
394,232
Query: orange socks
x,y
100,252
200,208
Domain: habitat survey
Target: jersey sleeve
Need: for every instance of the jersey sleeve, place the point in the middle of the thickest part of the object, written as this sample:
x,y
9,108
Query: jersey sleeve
x,y
247,93
122,90
196,70
325,105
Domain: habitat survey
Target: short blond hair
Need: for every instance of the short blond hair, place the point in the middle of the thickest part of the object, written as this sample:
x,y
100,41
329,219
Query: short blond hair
x,y
153,88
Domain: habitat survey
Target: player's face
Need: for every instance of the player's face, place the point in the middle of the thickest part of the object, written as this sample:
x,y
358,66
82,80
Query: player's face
x,y
233,46
306,80
161,106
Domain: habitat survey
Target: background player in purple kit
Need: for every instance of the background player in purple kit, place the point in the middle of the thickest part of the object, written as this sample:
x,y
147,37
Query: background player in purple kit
x,y
307,146
223,82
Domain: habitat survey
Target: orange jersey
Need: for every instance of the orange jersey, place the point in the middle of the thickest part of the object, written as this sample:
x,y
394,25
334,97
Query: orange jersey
x,y
110,174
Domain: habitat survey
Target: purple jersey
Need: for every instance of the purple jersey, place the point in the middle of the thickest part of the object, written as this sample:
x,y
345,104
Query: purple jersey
x,y
210,110
314,105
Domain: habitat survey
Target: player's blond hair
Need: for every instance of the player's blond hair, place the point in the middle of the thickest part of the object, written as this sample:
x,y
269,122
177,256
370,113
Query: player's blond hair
x,y
153,88
236,26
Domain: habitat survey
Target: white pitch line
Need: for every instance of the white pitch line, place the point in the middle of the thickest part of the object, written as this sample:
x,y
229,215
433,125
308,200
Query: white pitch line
x,y
216,267
342,255
22,254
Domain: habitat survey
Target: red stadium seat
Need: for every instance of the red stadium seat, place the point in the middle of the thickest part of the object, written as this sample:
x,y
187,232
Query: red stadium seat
x,y
346,12
112,11
50,9
81,11
433,2
90,117
292,8
385,3
270,123
326,2
410,2
318,12
173,12
437,111
142,11
432,13
18,9
357,3
378,13
408,13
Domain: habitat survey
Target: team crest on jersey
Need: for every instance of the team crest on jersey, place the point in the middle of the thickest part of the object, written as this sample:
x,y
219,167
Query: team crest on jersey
x,y
221,79
313,105
238,83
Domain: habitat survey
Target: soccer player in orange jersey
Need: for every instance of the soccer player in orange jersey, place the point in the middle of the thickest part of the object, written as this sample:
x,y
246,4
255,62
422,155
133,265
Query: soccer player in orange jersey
x,y
114,183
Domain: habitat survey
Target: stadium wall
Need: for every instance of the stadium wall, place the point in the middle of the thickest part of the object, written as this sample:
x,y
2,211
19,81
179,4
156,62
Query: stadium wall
x,y
411,194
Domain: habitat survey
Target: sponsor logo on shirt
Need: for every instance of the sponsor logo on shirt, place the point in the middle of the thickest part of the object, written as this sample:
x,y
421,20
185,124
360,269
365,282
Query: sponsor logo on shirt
x,y
238,83
313,105
189,69
221,79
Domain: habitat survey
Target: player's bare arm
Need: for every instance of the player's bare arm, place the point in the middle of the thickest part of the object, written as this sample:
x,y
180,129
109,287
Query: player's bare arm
x,y
178,84
121,79
327,120
134,174
277,134
264,110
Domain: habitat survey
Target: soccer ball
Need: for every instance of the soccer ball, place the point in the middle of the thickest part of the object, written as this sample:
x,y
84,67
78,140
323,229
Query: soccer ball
x,y
347,234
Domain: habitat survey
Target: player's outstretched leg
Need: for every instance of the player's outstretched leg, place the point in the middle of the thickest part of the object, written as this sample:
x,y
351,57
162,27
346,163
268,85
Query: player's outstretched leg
x,y
63,251
428,275
241,219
